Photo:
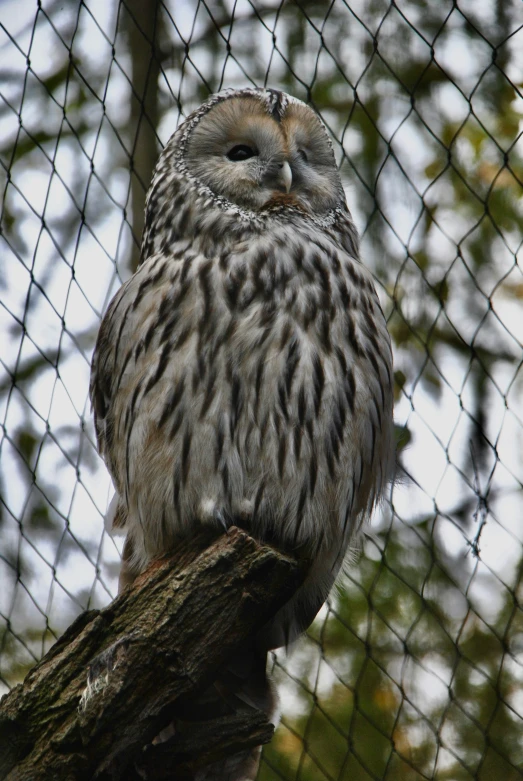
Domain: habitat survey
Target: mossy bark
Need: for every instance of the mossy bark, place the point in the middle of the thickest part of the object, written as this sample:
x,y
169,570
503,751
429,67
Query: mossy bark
x,y
161,639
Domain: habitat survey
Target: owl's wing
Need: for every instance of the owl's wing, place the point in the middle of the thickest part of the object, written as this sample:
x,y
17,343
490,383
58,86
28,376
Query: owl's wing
x,y
103,366
106,374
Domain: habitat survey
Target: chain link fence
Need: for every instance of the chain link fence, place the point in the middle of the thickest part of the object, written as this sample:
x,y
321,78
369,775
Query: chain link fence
x,y
414,669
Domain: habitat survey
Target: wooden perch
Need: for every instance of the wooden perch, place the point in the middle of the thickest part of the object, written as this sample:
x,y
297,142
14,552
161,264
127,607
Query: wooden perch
x,y
158,641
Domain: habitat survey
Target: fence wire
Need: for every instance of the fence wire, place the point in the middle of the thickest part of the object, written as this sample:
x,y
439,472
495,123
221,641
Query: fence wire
x,y
414,668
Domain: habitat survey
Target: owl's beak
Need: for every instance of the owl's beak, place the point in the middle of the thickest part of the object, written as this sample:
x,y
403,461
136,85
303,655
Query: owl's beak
x,y
285,176
278,177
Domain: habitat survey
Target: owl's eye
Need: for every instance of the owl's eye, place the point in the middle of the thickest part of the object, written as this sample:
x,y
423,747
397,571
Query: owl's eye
x,y
303,154
241,152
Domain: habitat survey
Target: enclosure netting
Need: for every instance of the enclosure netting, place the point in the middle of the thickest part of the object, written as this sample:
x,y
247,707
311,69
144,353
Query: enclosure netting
x,y
414,669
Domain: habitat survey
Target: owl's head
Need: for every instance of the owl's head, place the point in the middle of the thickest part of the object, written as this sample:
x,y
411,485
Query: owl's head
x,y
256,148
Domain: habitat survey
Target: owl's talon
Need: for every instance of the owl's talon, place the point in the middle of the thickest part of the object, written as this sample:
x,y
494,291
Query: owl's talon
x,y
221,520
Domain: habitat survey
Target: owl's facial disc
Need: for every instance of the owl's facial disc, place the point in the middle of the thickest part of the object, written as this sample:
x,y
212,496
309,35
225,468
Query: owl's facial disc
x,y
248,157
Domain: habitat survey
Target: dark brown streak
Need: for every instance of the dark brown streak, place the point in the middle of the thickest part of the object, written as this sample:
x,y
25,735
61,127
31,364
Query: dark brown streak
x,y
344,294
186,461
268,315
335,441
220,439
257,266
341,359
233,286
258,499
186,268
135,395
183,219
285,335
169,326
282,399
116,350
124,367
360,471
264,425
319,382
371,357
302,406
355,278
199,373
205,284
150,333
176,491
313,474
341,416
148,282
178,297
225,481
177,422
329,454
310,431
349,508
182,337
236,402
297,442
324,332
301,502
378,411
172,402
209,392
129,428
282,452
224,260
338,422
160,369
323,275
310,312
350,388
373,446
351,335
258,386
299,511
293,359
298,256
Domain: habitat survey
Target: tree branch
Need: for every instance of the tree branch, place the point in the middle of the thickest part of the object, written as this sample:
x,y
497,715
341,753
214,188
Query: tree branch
x,y
160,640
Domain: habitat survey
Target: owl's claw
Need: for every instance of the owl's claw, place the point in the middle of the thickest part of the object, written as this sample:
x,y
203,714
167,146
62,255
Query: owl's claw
x,y
221,520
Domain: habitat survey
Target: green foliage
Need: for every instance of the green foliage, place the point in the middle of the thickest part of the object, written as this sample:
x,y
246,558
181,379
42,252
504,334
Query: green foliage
x,y
419,685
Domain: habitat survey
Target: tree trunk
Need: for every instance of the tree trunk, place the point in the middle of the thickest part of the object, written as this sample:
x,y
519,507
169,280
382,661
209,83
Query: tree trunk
x,y
110,684
142,21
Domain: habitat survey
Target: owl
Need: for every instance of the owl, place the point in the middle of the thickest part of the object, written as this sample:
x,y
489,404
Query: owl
x,y
243,375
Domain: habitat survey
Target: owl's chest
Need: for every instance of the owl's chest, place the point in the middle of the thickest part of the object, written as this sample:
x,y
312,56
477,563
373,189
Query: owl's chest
x,y
285,330
278,332
296,299
283,368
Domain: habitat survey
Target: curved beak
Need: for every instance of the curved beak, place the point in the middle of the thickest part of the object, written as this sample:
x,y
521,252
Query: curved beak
x,y
285,176
278,176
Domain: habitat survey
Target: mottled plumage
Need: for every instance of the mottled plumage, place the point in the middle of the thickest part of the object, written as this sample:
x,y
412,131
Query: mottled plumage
x,y
243,374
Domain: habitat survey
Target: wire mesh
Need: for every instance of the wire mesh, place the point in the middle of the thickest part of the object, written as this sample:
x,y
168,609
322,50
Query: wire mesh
x,y
414,668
